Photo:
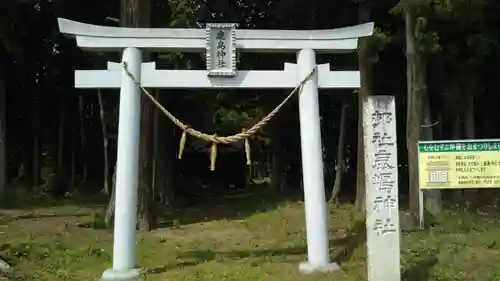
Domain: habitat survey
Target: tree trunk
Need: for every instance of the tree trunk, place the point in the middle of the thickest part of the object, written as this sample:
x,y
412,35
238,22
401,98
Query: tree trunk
x,y
413,112
340,152
470,128
276,157
276,161
27,150
457,128
60,142
458,195
3,141
165,158
73,159
432,198
110,208
470,133
269,165
155,180
167,172
146,218
163,134
36,145
365,66
83,139
438,128
104,141
137,13
36,162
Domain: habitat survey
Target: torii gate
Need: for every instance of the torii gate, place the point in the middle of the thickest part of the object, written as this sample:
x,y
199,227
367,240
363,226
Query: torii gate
x,y
220,42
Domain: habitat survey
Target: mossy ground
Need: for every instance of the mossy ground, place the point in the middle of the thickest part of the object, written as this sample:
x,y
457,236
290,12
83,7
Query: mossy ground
x,y
65,242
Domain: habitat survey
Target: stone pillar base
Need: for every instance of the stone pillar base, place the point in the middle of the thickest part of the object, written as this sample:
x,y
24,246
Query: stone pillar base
x,y
118,275
307,268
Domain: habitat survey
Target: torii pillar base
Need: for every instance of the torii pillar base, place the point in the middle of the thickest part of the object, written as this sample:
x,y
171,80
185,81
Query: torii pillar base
x,y
308,268
117,275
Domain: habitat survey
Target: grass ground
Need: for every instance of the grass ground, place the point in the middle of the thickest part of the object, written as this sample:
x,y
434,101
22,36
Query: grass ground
x,y
49,243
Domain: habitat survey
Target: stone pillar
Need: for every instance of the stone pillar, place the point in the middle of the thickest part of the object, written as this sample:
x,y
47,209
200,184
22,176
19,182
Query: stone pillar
x,y
318,252
124,252
382,204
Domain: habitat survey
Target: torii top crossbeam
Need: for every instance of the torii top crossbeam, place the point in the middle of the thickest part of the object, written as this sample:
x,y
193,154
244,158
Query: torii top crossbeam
x,y
103,38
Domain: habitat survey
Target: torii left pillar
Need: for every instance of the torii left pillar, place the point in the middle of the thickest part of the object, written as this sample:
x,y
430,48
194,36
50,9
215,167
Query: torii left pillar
x,y
124,263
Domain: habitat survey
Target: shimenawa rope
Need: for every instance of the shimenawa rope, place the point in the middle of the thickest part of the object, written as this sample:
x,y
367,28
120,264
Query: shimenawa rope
x,y
214,139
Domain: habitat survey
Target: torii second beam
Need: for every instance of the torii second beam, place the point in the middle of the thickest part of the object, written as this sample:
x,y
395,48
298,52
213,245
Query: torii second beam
x,y
198,79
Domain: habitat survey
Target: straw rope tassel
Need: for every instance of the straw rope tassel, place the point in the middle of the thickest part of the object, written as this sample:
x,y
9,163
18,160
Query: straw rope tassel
x,y
247,148
247,152
213,156
182,144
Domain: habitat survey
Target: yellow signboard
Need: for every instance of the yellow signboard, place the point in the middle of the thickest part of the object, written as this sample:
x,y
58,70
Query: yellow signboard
x,y
459,164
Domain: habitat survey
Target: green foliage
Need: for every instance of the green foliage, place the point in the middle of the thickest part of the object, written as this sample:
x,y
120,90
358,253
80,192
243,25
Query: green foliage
x,y
230,118
52,257
182,13
428,42
495,277
375,44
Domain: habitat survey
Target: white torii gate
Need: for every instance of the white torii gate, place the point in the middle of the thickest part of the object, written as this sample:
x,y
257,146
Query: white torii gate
x,y
221,73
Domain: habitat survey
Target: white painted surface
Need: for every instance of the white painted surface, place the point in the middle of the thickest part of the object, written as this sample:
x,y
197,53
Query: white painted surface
x,y
318,250
382,204
197,79
103,79
109,39
97,44
305,42
127,165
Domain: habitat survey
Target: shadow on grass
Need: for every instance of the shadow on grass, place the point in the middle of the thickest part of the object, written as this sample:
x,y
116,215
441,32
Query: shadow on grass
x,y
23,200
41,216
209,255
163,269
343,249
420,271
196,257
227,204
239,205
356,237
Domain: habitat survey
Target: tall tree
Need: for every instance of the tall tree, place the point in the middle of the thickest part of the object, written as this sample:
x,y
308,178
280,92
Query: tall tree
x,y
340,163
420,42
137,13
104,130
365,70
3,140
414,104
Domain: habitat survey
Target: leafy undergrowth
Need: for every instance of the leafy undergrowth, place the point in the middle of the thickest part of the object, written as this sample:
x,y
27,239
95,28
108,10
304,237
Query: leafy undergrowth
x,y
51,244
